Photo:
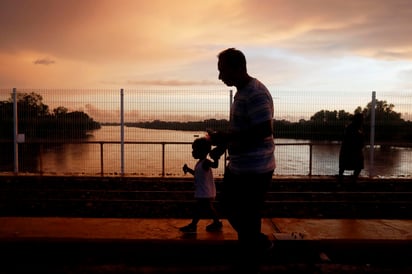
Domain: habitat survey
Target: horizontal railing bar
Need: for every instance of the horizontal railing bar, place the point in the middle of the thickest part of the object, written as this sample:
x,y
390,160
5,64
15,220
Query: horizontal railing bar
x,y
43,142
314,143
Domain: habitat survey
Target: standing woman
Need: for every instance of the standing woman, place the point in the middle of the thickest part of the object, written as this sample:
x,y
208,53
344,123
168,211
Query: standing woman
x,y
351,151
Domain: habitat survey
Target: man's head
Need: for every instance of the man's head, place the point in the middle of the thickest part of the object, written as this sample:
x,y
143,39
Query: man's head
x,y
232,67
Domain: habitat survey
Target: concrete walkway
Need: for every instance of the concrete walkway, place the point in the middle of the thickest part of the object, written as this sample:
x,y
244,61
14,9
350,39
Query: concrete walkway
x,y
53,228
119,245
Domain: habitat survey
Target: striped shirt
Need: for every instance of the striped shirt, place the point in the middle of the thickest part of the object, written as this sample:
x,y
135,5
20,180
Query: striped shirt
x,y
251,106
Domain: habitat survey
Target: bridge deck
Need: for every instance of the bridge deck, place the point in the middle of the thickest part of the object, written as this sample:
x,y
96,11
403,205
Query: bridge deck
x,y
117,229
130,225
125,245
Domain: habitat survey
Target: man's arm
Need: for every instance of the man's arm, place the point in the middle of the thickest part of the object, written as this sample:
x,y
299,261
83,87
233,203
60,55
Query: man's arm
x,y
240,138
255,133
211,164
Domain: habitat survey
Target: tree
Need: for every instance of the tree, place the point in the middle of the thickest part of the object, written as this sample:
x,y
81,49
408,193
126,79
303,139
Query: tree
x,y
36,121
30,105
389,126
383,112
327,116
59,111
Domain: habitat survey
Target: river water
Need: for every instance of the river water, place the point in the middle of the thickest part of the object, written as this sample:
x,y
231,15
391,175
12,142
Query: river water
x,y
146,159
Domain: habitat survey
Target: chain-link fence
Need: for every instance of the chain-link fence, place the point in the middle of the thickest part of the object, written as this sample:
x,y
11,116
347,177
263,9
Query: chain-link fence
x,y
64,131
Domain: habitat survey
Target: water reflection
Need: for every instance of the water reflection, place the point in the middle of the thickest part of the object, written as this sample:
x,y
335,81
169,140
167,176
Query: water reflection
x,y
146,159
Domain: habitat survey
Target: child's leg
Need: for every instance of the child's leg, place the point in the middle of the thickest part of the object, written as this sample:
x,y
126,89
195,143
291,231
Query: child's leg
x,y
192,227
210,209
215,216
197,211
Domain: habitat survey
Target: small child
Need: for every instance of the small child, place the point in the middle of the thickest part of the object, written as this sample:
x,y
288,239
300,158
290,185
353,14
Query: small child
x,y
205,189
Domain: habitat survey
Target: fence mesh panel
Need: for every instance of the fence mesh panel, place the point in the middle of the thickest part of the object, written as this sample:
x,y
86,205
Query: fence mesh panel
x,y
77,131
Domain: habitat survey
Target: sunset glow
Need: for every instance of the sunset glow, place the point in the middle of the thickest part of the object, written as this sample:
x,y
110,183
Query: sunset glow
x,y
298,46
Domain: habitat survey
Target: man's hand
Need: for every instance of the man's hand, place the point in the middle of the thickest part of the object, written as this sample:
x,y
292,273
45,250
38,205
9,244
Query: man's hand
x,y
217,137
217,152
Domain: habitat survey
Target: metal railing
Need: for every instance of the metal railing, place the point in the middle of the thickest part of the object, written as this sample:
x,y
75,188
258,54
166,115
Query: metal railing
x,y
166,105
162,144
101,152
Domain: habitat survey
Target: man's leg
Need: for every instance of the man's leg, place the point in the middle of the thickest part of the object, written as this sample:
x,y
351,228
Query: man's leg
x,y
244,197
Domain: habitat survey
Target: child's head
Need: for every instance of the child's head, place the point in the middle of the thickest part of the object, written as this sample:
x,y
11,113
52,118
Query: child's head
x,y
201,147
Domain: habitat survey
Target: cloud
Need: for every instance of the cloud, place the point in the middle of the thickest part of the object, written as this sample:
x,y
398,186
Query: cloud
x,y
99,42
160,31
44,61
102,114
318,27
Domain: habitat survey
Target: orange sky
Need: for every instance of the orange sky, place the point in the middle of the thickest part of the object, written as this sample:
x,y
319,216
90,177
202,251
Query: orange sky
x,y
315,44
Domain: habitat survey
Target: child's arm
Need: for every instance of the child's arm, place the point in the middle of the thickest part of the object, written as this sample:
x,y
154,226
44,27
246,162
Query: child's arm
x,y
210,164
187,169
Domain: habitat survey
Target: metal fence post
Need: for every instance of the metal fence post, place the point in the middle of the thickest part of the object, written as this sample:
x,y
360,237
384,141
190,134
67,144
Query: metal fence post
x,y
121,133
372,136
230,107
310,158
101,159
15,132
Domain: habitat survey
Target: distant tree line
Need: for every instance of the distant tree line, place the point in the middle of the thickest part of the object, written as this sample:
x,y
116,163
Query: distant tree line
x,y
324,125
36,121
213,124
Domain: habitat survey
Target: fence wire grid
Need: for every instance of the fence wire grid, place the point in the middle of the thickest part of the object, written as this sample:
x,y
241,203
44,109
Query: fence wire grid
x,y
160,127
